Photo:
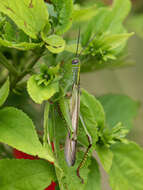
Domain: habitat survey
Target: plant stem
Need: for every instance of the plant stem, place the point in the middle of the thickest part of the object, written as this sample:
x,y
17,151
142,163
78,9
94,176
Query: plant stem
x,y
7,65
27,70
29,67
46,123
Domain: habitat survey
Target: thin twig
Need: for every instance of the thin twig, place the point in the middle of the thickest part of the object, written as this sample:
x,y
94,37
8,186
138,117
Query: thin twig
x,y
27,70
6,64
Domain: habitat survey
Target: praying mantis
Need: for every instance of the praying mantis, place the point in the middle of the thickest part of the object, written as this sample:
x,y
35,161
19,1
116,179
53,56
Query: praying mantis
x,y
75,116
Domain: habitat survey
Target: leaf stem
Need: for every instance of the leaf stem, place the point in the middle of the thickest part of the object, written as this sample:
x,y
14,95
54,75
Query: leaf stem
x,y
7,65
27,69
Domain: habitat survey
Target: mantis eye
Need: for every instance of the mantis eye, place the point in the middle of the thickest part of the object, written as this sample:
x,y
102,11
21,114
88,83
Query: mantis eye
x,y
75,61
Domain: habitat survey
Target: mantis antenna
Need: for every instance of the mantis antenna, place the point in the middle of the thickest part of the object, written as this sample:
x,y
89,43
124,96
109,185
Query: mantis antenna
x,y
78,39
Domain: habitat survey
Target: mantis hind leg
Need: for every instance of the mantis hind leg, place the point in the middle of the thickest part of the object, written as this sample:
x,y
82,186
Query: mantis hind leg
x,y
87,150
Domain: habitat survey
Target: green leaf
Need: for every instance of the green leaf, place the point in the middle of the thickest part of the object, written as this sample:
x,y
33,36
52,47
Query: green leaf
x,y
119,6
107,20
110,19
119,108
21,45
94,177
39,93
12,33
116,40
105,155
113,135
25,174
104,49
64,10
54,43
94,64
81,14
127,167
13,37
95,107
18,131
29,15
4,91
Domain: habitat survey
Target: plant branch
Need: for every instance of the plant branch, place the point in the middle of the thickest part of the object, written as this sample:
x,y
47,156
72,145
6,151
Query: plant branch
x,y
7,65
27,70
